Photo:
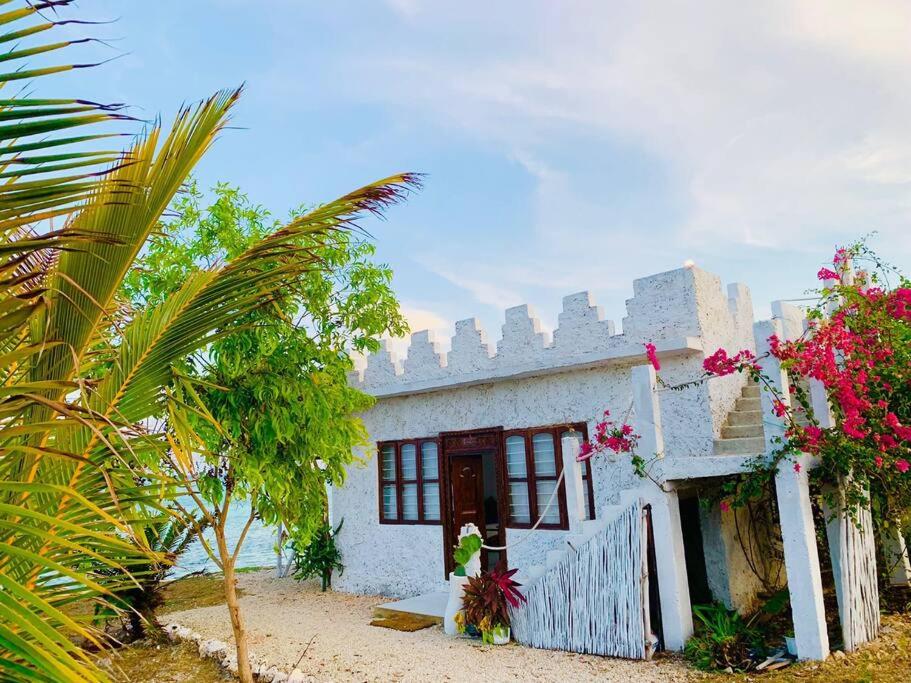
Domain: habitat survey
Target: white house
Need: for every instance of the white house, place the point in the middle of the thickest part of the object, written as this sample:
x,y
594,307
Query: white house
x,y
478,435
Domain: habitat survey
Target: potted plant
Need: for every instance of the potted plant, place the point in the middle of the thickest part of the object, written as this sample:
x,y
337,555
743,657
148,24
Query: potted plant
x,y
467,556
486,602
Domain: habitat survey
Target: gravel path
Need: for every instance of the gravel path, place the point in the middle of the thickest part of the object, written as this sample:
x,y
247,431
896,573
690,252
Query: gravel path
x,y
282,617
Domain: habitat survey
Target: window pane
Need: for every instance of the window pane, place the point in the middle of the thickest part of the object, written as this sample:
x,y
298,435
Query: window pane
x,y
518,503
429,463
585,497
545,460
515,457
410,501
409,462
388,458
584,465
432,502
545,489
390,509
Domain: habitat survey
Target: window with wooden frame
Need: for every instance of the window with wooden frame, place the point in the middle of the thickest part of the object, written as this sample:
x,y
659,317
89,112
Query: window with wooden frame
x,y
534,461
409,481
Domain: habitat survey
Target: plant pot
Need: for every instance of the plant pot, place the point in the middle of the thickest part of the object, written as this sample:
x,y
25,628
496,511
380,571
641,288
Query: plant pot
x,y
473,566
498,635
791,643
456,588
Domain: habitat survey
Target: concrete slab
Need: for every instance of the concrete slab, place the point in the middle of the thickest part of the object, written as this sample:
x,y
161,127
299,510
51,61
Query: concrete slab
x,y
428,605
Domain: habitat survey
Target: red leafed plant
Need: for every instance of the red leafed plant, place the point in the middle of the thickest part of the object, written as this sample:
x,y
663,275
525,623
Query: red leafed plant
x,y
487,598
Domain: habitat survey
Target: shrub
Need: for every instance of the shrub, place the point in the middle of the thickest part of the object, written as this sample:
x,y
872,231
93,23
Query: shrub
x,y
320,556
723,639
135,603
487,598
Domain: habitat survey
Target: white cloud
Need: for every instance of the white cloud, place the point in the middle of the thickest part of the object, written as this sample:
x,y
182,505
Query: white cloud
x,y
406,8
485,287
774,119
421,319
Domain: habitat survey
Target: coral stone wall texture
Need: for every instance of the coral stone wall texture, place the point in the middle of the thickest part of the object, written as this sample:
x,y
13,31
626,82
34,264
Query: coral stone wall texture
x,y
532,381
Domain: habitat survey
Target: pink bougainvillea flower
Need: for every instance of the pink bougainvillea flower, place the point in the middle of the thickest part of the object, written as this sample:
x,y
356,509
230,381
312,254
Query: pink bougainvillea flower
x,y
652,356
840,258
719,364
878,460
724,505
902,465
797,467
826,274
585,451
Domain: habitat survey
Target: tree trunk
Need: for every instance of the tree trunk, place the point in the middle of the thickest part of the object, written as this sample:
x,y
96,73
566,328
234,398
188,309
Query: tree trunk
x,y
244,672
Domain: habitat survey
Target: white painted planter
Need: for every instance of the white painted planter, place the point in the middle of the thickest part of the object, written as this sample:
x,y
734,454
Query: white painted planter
x,y
456,588
473,566
499,636
791,643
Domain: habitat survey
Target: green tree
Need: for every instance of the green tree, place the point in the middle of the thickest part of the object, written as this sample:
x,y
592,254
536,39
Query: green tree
x,y
82,374
275,417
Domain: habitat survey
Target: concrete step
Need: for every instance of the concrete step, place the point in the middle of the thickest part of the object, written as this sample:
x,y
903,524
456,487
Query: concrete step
x,y
741,431
429,605
555,557
744,404
746,446
745,417
750,391
801,418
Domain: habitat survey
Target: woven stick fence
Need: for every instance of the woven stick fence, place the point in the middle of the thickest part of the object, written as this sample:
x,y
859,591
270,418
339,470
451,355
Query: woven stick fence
x,y
853,552
592,602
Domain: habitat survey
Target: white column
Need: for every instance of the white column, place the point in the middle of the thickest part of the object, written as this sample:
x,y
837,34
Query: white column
x,y
896,553
673,589
648,411
572,480
819,401
801,558
798,532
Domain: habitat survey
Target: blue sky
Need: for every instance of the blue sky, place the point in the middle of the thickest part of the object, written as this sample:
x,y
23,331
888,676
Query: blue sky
x,y
567,145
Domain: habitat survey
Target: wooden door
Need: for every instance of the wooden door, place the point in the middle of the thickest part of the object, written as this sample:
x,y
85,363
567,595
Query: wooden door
x,y
466,472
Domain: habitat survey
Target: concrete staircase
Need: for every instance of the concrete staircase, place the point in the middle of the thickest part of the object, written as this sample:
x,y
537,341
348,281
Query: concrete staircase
x,y
742,432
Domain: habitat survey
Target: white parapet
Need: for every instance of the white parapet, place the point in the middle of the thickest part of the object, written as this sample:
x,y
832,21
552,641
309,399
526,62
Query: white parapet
x,y
680,311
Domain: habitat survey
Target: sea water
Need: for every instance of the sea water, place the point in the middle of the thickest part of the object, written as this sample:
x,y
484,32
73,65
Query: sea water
x,y
258,549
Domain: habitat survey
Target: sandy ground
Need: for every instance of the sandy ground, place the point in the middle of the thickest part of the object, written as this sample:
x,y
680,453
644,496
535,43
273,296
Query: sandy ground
x,y
283,616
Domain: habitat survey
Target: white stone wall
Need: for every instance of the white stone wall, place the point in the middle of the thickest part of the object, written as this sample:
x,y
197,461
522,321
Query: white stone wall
x,y
532,381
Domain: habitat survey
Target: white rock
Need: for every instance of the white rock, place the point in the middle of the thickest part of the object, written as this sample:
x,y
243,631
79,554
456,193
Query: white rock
x,y
269,674
216,649
297,676
280,677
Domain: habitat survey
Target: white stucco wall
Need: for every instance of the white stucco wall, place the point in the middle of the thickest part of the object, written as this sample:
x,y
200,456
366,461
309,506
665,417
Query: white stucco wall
x,y
533,381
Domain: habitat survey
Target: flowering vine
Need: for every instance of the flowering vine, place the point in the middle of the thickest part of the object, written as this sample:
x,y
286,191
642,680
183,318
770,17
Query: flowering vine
x,y
857,345
614,437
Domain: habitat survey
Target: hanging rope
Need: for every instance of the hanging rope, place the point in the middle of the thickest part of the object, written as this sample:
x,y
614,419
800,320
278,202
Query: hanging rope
x,y
524,538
